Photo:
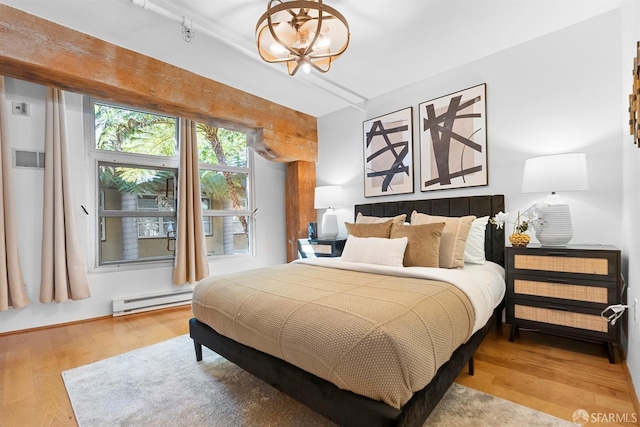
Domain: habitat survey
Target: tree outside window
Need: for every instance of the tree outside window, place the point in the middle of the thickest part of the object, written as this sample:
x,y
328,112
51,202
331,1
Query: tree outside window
x,y
224,180
137,177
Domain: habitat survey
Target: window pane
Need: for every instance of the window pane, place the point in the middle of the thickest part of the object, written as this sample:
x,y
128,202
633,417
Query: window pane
x,y
229,235
207,226
131,189
218,146
136,188
129,131
224,190
120,242
149,227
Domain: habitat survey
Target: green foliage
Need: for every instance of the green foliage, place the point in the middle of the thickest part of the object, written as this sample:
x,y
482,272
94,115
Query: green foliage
x,y
135,132
234,146
135,180
215,185
130,131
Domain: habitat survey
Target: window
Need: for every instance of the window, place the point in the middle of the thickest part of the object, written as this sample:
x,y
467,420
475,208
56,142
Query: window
x,y
224,181
138,217
150,227
206,203
137,163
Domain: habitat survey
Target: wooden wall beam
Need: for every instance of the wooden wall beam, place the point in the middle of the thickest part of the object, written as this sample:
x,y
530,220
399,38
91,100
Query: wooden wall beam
x,y
284,148
40,51
300,189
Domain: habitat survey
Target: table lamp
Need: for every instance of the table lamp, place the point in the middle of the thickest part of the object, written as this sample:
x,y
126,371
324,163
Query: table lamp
x,y
560,172
328,197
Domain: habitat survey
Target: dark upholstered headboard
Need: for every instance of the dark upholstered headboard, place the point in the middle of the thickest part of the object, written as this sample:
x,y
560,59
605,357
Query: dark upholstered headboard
x,y
458,206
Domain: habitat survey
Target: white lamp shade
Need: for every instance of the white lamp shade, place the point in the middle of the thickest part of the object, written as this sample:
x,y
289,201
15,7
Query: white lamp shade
x,y
329,196
559,172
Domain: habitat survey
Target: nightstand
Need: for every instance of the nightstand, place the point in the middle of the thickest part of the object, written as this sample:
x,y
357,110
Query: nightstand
x,y
563,290
308,248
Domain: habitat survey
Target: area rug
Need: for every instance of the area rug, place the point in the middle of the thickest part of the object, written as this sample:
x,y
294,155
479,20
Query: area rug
x,y
163,385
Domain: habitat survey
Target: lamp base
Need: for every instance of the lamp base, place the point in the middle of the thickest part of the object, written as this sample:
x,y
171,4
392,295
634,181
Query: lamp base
x,y
329,228
557,229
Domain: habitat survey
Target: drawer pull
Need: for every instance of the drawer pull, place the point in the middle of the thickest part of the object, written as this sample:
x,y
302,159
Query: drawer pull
x,y
555,253
557,280
557,307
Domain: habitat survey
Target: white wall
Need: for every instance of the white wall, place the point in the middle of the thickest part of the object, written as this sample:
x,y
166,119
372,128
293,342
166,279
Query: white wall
x,y
559,93
107,284
631,193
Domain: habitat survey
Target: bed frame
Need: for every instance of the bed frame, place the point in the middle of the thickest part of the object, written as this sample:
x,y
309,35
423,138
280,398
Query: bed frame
x,y
344,407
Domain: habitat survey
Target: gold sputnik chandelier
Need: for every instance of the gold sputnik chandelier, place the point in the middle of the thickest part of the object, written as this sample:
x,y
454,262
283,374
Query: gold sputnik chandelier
x,y
301,34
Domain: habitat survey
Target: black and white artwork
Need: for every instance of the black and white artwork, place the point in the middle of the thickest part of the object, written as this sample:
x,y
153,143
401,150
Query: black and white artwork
x,y
388,159
453,140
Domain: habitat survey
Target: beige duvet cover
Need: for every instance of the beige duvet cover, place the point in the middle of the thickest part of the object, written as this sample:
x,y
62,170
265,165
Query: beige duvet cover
x,y
380,336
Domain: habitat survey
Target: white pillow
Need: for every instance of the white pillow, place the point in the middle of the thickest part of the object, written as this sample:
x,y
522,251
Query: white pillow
x,y
474,246
374,250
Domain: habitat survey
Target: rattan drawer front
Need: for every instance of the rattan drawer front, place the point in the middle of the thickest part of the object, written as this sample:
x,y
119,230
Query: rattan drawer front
x,y
560,290
562,318
599,266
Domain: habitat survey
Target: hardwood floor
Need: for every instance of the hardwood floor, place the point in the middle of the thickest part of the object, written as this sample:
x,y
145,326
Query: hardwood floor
x,y
545,373
555,375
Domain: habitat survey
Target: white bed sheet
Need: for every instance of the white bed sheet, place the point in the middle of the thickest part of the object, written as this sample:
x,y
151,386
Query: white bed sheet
x,y
484,284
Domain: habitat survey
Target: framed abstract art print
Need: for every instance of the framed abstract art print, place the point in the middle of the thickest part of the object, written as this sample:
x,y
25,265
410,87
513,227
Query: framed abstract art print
x,y
453,140
388,154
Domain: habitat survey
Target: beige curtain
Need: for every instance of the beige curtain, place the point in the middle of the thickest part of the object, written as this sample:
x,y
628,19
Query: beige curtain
x,y
64,275
12,287
191,262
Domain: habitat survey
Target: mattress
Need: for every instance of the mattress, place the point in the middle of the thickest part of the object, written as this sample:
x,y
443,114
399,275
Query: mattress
x,y
379,334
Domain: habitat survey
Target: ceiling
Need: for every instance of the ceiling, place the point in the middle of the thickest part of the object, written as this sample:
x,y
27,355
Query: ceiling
x,y
393,43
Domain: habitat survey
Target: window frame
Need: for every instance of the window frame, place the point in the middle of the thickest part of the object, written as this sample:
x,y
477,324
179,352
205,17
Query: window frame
x,y
249,212
95,157
106,213
152,214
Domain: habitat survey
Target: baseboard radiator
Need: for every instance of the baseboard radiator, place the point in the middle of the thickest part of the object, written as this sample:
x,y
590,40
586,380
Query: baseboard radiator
x,y
140,303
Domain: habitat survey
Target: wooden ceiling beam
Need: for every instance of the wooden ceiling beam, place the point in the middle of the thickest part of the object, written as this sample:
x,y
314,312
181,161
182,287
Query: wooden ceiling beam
x,y
40,51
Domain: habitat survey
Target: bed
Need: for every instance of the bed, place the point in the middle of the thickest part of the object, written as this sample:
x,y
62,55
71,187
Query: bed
x,y
339,404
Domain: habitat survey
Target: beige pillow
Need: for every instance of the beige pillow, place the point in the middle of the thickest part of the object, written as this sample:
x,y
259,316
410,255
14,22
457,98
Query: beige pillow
x,y
423,249
361,219
374,250
454,236
380,229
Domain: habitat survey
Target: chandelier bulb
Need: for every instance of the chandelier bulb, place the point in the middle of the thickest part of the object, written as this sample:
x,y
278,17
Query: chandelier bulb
x,y
278,49
323,43
297,33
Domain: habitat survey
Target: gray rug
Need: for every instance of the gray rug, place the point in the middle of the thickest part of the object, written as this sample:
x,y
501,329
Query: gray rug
x,y
163,385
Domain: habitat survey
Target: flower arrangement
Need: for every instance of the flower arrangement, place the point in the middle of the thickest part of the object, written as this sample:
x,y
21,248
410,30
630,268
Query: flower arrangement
x,y
529,218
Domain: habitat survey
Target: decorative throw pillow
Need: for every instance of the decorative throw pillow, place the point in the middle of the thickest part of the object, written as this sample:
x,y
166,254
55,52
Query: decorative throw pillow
x,y
454,236
374,250
474,246
423,248
380,229
361,219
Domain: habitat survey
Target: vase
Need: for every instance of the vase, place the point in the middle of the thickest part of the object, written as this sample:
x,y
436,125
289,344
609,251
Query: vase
x,y
556,230
519,239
